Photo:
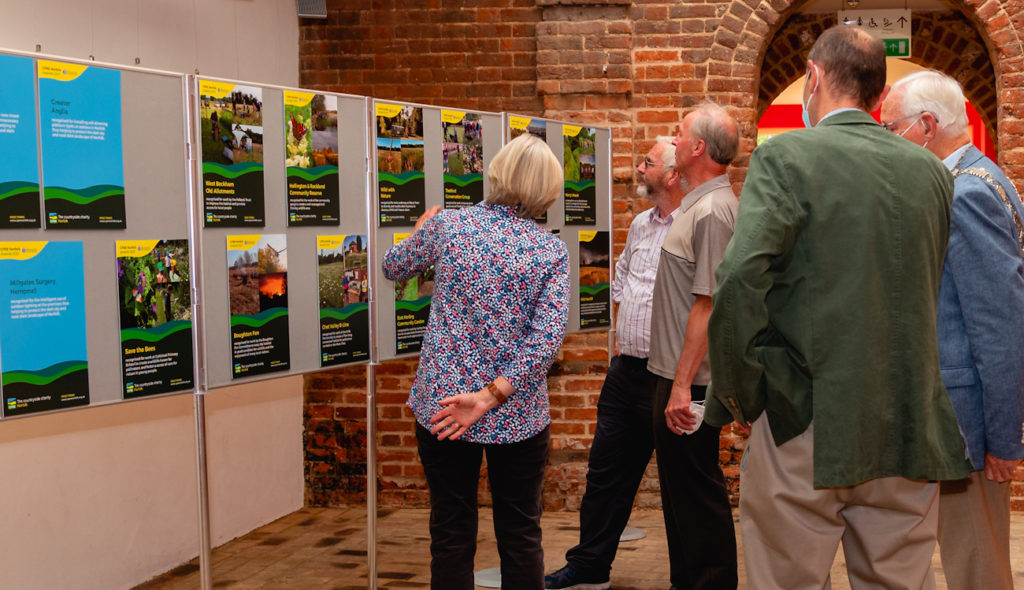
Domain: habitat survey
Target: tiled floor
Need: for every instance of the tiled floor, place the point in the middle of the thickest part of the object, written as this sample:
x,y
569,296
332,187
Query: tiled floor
x,y
325,548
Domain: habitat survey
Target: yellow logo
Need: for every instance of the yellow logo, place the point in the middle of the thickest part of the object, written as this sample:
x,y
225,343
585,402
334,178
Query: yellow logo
x,y
294,98
134,248
60,71
452,116
329,242
571,130
388,110
587,236
243,242
215,89
20,250
517,122
399,237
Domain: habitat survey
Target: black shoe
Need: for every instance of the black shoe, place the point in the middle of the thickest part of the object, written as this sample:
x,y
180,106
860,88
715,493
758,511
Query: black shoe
x,y
567,579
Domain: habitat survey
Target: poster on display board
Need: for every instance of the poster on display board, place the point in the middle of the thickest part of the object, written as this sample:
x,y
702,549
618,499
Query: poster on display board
x,y
518,125
258,303
400,179
580,199
81,144
155,308
311,158
43,343
594,277
19,166
231,117
412,308
343,281
462,158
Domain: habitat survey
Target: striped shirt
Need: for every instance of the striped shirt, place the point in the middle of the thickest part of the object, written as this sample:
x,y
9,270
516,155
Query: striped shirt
x,y
633,287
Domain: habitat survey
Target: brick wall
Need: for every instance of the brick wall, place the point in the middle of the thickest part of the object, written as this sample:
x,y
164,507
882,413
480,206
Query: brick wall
x,y
628,65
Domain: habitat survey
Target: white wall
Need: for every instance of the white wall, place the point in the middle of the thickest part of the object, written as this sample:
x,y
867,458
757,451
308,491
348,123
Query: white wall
x,y
106,497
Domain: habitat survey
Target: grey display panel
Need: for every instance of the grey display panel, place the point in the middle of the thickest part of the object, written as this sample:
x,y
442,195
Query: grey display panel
x,y
156,208
493,139
556,221
301,241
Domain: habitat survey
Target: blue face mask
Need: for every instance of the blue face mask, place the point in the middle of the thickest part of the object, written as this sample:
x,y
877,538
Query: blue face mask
x,y
805,103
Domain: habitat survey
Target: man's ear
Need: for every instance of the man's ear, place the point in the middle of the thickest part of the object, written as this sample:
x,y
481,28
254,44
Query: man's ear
x,y
931,126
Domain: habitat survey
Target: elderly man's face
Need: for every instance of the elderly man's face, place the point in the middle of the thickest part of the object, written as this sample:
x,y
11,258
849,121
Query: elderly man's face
x,y
652,172
906,126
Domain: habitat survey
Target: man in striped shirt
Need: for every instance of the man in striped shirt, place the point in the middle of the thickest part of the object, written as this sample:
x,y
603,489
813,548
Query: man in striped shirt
x,y
623,441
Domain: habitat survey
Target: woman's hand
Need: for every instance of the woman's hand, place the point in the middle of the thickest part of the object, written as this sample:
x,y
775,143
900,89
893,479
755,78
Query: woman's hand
x,y
426,216
460,412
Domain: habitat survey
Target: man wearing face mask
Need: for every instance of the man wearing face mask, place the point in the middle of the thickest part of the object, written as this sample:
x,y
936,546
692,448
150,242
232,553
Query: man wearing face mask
x,y
823,337
980,323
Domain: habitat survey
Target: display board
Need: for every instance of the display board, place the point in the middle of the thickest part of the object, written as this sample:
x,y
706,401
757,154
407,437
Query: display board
x,y
290,293
581,216
90,223
424,156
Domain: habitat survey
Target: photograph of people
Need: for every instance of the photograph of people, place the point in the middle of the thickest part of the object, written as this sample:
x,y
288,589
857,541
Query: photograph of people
x,y
500,308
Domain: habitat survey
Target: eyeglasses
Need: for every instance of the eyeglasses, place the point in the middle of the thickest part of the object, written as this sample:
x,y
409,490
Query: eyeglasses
x,y
649,163
891,125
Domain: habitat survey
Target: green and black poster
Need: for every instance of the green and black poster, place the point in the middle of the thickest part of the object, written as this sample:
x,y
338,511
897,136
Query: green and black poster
x,y
580,199
343,280
311,157
258,291
156,317
412,308
401,187
231,116
594,284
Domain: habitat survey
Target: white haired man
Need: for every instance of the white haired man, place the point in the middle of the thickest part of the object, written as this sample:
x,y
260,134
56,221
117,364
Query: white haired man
x,y
980,322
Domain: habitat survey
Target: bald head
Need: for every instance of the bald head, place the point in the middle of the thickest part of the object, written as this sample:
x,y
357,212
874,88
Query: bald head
x,y
853,63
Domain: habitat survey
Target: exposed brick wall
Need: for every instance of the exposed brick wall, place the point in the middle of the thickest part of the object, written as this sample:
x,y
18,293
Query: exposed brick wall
x,y
628,65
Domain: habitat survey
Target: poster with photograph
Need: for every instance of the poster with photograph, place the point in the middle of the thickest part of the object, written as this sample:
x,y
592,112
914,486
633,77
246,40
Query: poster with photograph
x,y
156,316
19,166
400,180
82,148
580,202
594,273
231,117
311,157
343,279
412,308
517,126
258,291
43,344
463,158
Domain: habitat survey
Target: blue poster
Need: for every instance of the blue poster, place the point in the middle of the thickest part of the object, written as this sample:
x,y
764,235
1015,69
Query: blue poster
x,y
43,350
19,166
83,156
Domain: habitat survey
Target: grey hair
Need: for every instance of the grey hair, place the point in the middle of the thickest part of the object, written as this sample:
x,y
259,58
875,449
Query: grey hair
x,y
716,127
668,155
936,93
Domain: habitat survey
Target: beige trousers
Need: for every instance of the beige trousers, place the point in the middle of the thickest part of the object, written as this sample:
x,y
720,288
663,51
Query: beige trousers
x,y
974,533
791,530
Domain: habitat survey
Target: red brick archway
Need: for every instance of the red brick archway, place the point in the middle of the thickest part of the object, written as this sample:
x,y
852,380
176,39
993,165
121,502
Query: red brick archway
x,y
944,41
748,29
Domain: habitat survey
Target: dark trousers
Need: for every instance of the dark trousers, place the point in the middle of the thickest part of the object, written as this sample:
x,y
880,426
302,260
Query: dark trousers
x,y
516,474
619,455
694,500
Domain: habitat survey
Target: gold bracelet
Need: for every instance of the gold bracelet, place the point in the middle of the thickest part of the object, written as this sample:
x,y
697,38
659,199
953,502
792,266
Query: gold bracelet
x,y
498,395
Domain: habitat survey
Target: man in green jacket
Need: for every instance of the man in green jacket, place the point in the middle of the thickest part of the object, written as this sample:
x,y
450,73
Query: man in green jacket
x,y
823,337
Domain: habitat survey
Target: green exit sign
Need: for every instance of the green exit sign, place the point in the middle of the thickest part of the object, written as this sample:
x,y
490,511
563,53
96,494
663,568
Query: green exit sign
x,y
897,47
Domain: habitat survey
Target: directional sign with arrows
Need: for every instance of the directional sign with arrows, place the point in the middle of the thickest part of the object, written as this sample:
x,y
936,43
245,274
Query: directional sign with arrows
x,y
890,25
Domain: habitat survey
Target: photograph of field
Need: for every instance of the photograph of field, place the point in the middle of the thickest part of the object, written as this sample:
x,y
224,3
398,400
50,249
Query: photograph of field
x,y
463,146
417,287
578,155
311,137
343,274
232,126
594,260
400,141
154,288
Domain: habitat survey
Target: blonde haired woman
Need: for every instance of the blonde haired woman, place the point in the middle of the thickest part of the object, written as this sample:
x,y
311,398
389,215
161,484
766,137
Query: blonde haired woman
x,y
497,319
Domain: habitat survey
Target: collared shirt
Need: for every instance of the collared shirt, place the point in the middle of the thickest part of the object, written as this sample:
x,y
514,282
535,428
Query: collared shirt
x,y
500,307
951,160
633,287
692,250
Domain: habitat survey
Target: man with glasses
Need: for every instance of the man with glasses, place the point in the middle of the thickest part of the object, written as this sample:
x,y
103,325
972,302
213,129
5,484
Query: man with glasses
x,y
980,326
623,441
823,336
694,500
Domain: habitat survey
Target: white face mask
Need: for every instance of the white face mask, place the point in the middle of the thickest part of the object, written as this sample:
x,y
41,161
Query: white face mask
x,y
804,104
